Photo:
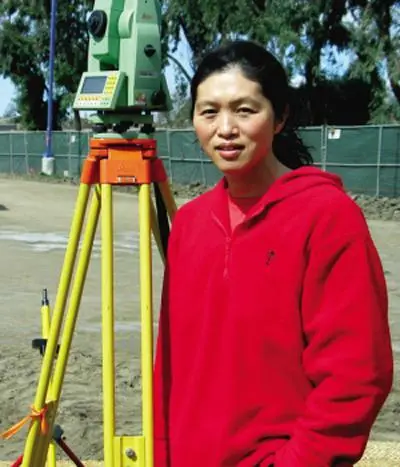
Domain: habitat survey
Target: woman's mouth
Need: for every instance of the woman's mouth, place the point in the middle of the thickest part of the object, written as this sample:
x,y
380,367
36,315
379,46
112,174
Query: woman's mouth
x,y
229,151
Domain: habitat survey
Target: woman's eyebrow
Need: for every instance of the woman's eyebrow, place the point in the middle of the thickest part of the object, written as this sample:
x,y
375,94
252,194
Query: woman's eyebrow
x,y
235,102
245,100
205,103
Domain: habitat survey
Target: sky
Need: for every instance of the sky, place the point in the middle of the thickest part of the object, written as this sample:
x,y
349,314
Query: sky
x,y
6,94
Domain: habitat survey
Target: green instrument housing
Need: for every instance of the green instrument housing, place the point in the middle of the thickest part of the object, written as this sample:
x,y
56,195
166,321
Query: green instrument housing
x,y
124,73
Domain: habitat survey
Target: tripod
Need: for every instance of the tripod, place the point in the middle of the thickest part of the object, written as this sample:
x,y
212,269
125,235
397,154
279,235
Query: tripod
x,y
110,162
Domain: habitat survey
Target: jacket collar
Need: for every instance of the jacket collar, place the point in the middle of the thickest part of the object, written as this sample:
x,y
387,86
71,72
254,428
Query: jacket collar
x,y
220,205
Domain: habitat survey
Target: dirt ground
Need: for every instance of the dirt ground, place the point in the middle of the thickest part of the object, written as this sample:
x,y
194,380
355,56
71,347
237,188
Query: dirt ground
x,y
34,226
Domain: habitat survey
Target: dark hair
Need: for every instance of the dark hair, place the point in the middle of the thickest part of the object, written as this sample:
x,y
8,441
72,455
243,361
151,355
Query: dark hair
x,y
262,67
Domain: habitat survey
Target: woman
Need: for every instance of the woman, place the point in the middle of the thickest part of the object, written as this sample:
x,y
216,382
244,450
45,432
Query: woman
x,y
274,345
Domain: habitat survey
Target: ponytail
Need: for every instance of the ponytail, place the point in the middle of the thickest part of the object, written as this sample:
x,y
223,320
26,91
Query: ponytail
x,y
290,150
288,146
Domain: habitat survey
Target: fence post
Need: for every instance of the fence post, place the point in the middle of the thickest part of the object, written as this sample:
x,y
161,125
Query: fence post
x,y
169,155
11,156
203,172
78,155
324,146
379,162
26,153
70,136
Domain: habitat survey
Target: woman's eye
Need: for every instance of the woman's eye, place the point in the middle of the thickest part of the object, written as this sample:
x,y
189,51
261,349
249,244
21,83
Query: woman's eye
x,y
208,112
245,110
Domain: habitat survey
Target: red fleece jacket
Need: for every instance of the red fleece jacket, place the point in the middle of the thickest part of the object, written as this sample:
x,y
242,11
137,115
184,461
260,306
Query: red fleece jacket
x,y
274,345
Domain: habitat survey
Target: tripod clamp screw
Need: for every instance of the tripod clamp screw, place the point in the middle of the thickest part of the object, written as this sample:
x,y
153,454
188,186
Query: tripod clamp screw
x,y
130,454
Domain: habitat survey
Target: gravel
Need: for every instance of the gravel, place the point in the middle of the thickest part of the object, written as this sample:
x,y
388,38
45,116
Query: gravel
x,y
375,208
387,209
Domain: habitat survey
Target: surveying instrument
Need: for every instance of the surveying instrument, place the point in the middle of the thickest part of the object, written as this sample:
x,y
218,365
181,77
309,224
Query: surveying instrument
x,y
124,84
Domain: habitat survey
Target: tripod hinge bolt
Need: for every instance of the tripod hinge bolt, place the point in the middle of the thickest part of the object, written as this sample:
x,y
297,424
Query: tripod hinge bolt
x,y
130,454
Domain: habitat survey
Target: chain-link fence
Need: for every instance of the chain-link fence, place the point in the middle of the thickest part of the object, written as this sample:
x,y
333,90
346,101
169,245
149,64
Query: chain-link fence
x,y
366,157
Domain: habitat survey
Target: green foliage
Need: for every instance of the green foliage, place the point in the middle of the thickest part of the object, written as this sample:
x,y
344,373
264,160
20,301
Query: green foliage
x,y
308,36
302,33
24,48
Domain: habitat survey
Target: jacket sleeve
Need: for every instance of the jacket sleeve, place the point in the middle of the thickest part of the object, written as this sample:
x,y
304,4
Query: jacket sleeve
x,y
347,357
162,367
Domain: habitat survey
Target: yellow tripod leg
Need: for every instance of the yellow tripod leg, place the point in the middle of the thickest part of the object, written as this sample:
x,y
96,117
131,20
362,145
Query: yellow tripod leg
x,y
71,317
76,295
35,433
146,299
41,444
51,455
107,286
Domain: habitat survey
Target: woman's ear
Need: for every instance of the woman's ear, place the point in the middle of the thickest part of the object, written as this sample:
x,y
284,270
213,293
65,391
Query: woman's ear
x,y
279,124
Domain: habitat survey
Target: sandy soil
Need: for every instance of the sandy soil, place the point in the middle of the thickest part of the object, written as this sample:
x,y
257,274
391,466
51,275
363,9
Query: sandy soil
x,y
34,225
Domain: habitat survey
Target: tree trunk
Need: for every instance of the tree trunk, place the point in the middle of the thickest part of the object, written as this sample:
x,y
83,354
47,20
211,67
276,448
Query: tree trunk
x,y
77,121
384,21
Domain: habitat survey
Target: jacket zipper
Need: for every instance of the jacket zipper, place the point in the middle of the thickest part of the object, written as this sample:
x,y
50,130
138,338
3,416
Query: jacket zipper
x,y
228,247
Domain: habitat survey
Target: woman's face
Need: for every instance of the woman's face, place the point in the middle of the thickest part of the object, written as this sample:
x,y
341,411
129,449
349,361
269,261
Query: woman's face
x,y
234,122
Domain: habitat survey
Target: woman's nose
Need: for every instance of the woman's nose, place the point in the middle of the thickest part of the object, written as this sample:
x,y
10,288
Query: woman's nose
x,y
227,125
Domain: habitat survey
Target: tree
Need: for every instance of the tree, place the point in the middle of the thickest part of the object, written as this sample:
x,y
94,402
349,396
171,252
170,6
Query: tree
x,y
24,48
376,41
307,36
206,23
